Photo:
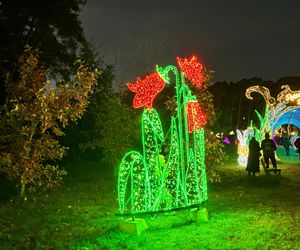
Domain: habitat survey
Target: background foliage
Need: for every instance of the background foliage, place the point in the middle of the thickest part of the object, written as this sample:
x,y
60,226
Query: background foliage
x,y
52,27
34,116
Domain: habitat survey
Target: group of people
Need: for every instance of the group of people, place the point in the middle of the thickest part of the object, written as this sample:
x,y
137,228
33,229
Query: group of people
x,y
268,148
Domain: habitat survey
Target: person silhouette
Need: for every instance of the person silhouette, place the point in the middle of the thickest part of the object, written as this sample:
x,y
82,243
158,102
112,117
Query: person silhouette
x,y
286,143
268,146
253,157
297,144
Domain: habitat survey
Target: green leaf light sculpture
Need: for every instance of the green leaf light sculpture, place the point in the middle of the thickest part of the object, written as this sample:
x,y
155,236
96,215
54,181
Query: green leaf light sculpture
x,y
153,180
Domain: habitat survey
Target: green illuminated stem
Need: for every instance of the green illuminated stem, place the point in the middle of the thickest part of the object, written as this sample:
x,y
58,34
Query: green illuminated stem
x,y
146,182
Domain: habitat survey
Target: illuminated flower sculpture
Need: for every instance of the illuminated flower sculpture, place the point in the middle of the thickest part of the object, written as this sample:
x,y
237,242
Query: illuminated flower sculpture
x,y
196,118
146,90
192,70
155,180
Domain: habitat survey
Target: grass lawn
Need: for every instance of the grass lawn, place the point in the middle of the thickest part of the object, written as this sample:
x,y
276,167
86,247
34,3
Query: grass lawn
x,y
246,212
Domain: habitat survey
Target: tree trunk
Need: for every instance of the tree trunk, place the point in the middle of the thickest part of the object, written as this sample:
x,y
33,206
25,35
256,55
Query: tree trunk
x,y
23,190
23,186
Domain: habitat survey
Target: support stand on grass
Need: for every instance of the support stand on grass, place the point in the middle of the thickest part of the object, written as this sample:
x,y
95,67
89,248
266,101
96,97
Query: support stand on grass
x,y
138,226
199,215
269,170
133,225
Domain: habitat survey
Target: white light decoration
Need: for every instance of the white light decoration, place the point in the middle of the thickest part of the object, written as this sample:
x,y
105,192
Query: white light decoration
x,y
284,109
265,92
243,148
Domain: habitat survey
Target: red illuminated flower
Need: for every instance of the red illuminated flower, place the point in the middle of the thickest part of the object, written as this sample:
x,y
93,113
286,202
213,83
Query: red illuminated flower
x,y
196,118
146,90
192,70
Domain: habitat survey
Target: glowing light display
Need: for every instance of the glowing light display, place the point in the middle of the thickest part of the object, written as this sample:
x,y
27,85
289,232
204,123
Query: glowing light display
x,y
146,90
192,70
288,96
226,141
265,92
293,98
289,117
196,118
281,110
264,127
285,109
157,179
243,148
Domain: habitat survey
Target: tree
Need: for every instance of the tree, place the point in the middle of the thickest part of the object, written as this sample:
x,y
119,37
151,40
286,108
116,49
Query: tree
x,y
86,133
52,27
30,122
115,128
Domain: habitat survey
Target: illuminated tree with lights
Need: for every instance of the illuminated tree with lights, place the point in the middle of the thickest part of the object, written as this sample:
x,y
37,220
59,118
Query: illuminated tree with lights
x,y
155,180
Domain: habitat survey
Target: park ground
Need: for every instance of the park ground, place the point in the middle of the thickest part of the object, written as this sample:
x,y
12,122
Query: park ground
x,y
246,212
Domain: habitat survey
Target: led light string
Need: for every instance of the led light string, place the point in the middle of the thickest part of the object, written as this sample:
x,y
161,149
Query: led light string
x,y
180,180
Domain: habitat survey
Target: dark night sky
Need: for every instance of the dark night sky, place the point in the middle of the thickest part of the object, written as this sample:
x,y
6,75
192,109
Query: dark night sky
x,y
237,39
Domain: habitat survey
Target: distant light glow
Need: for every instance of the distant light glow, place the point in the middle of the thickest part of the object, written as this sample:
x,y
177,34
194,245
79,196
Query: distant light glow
x,y
279,109
265,92
226,140
219,135
243,149
289,117
289,96
285,109
293,98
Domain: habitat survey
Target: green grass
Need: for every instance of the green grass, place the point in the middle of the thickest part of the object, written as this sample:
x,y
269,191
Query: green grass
x,y
245,213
